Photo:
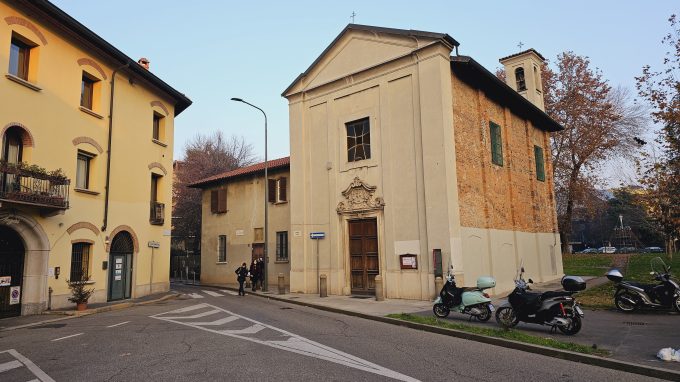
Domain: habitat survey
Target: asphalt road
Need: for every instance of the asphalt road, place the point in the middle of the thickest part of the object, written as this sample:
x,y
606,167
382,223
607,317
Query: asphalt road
x,y
213,335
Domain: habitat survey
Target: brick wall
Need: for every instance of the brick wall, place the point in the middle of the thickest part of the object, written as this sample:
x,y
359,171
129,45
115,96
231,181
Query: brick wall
x,y
507,197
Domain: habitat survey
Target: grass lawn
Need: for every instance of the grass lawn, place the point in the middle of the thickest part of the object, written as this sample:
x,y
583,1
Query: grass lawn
x,y
510,334
586,264
638,268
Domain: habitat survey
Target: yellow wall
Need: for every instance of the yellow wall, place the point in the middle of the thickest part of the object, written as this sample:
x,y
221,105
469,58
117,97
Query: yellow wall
x,y
54,119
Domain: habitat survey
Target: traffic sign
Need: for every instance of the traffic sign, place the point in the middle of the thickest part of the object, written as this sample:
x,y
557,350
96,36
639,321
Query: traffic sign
x,y
317,235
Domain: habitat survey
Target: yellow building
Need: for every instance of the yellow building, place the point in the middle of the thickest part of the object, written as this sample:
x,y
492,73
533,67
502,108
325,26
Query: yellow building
x,y
70,101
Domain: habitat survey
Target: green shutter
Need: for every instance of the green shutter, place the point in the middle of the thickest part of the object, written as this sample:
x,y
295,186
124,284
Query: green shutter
x,y
540,164
496,144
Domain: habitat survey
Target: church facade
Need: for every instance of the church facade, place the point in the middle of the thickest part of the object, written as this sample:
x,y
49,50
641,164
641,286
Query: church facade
x,y
412,160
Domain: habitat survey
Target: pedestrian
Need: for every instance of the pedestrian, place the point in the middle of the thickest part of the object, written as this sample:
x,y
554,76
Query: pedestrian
x,y
253,274
241,274
260,272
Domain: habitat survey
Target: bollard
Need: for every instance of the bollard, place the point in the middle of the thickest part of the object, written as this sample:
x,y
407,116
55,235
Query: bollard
x,y
282,284
379,295
438,285
322,286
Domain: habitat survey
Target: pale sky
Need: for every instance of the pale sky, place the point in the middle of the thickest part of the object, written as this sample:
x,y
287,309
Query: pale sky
x,y
214,50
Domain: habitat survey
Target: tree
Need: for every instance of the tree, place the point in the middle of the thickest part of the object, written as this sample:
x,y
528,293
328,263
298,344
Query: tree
x,y
204,156
660,174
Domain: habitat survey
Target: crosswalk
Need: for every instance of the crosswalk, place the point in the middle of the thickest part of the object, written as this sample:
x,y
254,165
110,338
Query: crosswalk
x,y
14,367
219,321
211,293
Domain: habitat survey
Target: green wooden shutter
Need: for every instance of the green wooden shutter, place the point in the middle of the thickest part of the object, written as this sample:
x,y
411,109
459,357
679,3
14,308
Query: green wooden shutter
x,y
496,144
540,164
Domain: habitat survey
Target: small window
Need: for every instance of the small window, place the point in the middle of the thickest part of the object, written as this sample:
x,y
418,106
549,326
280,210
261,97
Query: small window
x,y
218,201
519,78
158,125
87,91
222,249
19,57
282,246
157,209
540,164
277,190
80,262
496,144
358,140
537,80
83,170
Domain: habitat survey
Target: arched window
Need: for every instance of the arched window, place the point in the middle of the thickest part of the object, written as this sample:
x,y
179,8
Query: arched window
x,y
13,145
519,78
537,80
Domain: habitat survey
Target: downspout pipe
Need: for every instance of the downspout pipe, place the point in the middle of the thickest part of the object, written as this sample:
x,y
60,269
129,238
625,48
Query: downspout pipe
x,y
108,151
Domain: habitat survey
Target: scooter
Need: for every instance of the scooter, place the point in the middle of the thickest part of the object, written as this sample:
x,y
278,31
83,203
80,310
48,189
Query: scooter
x,y
557,309
630,296
470,300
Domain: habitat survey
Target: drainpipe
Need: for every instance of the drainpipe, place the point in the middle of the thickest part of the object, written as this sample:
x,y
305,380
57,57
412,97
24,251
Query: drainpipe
x,y
108,151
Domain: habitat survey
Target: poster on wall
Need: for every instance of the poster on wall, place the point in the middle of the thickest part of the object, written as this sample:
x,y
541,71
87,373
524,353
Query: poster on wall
x,y
117,278
5,280
14,295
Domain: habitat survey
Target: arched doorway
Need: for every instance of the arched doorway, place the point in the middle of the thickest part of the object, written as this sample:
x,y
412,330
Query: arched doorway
x,y
12,252
120,266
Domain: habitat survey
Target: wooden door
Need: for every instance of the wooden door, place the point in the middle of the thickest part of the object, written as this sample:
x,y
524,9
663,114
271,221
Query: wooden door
x,y
257,252
363,253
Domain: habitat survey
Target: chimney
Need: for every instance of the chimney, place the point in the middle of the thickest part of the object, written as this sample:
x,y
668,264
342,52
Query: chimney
x,y
523,73
144,62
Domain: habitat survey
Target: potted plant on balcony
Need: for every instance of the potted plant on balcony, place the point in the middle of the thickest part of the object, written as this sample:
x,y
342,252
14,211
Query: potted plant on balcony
x,y
79,292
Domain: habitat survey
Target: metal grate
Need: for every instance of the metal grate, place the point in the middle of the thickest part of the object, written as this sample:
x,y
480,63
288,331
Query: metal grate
x,y
634,323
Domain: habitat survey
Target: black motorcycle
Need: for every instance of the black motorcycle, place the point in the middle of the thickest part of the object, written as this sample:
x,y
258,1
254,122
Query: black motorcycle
x,y
630,296
557,309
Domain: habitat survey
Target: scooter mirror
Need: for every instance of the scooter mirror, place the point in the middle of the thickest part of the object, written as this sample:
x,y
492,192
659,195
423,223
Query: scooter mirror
x,y
531,281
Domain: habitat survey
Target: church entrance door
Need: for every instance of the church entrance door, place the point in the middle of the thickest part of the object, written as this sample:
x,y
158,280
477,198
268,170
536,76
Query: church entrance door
x,y
364,257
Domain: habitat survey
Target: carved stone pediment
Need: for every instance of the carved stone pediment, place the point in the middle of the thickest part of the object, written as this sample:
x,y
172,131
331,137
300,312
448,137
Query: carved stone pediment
x,y
359,198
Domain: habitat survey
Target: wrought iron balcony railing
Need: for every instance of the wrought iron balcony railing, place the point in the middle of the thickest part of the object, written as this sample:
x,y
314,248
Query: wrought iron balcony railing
x,y
24,185
157,213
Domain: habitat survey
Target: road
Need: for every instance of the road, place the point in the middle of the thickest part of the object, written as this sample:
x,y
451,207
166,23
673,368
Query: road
x,y
214,335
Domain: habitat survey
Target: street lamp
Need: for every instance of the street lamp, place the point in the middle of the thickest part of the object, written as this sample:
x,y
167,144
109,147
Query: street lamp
x,y
266,192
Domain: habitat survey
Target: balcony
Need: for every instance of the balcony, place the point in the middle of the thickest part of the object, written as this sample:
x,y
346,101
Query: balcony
x,y
157,213
33,185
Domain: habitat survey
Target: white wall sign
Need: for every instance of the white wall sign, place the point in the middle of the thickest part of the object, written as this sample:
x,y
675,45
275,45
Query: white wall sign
x,y
167,232
154,244
5,280
117,278
297,233
239,232
14,295
50,271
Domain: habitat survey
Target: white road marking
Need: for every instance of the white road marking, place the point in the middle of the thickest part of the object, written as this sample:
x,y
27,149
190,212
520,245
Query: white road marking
x,y
42,377
194,295
63,338
231,292
293,343
221,321
198,315
214,294
122,323
10,365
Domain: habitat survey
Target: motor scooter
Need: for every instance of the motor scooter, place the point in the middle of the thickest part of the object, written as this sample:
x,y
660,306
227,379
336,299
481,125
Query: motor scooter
x,y
466,300
557,309
630,295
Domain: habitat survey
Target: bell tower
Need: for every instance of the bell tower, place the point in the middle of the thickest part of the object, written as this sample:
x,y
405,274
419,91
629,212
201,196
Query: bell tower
x,y
523,73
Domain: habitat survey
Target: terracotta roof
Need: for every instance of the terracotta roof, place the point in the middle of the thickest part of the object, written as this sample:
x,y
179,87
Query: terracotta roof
x,y
522,52
258,167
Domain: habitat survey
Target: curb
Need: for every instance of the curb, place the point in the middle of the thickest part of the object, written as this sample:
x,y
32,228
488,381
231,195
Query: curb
x,y
536,349
75,314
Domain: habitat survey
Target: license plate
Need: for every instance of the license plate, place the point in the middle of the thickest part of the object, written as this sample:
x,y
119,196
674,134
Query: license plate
x,y
491,308
578,310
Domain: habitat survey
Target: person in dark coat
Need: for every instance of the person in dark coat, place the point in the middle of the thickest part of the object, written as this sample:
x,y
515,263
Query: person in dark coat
x,y
241,274
253,274
260,272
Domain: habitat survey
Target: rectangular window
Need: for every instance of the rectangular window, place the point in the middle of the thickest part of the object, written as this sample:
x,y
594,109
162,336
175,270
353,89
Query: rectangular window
x,y
358,140
157,126
87,91
277,190
540,164
157,209
83,170
80,262
282,246
19,56
496,144
218,201
222,249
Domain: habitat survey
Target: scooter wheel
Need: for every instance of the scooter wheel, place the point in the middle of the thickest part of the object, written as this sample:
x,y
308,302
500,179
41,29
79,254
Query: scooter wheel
x,y
440,310
485,315
506,317
676,303
622,302
575,323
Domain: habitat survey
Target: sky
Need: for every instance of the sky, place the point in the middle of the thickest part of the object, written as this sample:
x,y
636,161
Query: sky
x,y
214,50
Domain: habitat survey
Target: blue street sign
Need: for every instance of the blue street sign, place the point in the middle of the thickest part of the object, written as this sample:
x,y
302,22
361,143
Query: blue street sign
x,y
317,235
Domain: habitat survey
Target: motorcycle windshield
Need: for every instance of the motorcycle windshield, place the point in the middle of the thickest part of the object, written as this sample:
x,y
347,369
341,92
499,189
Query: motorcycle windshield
x,y
658,266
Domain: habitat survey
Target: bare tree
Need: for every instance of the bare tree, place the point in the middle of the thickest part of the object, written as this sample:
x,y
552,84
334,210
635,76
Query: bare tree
x,y
204,156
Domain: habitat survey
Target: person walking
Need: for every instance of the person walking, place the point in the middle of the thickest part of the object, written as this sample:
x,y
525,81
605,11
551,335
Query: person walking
x,y
241,274
253,274
260,272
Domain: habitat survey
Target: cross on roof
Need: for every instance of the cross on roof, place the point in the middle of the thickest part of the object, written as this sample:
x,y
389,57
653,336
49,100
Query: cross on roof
x,y
520,45
353,15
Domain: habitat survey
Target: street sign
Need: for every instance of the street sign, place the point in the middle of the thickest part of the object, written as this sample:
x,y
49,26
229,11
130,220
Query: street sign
x,y
154,244
14,295
317,235
5,280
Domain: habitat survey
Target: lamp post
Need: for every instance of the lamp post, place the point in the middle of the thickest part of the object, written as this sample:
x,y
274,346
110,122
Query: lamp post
x,y
266,193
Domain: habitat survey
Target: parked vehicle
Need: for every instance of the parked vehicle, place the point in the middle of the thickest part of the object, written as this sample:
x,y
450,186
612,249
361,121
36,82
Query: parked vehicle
x,y
627,250
470,300
557,309
606,250
652,250
589,250
630,296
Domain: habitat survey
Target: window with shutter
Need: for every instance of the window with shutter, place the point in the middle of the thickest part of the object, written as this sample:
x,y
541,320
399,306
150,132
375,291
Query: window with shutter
x,y
496,144
221,201
213,201
271,190
283,197
540,164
